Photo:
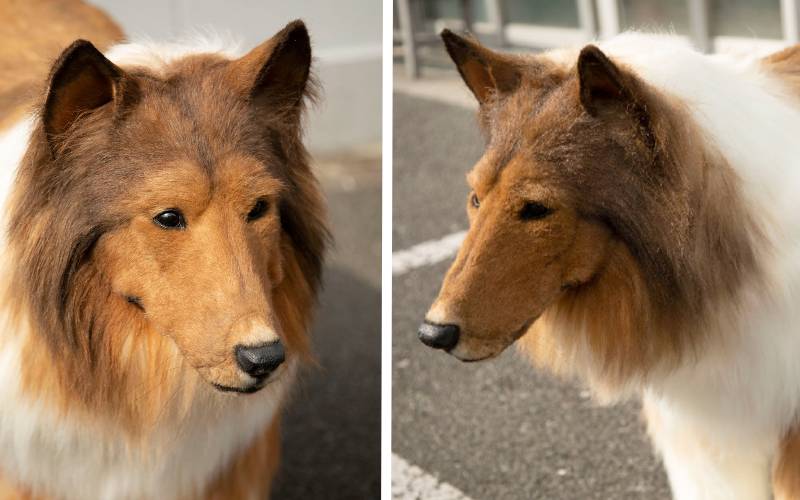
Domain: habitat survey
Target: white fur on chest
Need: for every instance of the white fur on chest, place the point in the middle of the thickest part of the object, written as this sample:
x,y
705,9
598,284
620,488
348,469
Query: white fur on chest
x,y
70,458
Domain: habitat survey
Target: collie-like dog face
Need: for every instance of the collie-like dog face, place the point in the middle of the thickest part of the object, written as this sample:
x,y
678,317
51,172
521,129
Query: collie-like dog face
x,y
582,192
199,254
172,204
527,243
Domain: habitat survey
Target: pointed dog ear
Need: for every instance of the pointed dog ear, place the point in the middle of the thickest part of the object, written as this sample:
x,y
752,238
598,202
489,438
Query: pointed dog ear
x,y
275,74
601,82
484,71
604,86
81,80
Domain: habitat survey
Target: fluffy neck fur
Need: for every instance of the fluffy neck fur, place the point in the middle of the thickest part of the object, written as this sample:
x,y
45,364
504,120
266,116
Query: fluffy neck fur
x,y
727,130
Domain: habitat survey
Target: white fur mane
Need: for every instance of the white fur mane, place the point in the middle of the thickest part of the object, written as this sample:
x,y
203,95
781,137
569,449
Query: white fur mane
x,y
158,55
742,393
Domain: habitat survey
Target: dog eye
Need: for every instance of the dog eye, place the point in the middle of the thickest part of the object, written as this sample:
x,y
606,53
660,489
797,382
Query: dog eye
x,y
170,219
475,201
533,211
258,210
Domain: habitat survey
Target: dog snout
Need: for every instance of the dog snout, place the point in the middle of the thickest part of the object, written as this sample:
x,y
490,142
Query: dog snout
x,y
260,360
438,336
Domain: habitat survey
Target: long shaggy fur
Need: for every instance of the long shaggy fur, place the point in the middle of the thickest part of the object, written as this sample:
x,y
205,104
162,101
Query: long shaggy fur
x,y
681,172
96,403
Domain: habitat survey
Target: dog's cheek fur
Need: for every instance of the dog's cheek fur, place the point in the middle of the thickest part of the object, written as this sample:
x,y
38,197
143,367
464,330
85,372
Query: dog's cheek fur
x,y
685,247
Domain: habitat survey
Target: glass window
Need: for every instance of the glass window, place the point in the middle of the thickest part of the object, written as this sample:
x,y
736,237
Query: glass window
x,y
451,9
562,13
746,18
655,15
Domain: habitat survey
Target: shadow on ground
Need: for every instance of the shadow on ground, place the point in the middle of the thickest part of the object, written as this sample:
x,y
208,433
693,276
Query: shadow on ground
x,y
331,431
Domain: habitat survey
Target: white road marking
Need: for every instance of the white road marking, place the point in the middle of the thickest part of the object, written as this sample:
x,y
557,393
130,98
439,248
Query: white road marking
x,y
426,253
409,482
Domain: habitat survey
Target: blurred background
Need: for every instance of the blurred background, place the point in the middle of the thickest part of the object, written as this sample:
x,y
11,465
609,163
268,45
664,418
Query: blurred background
x,y
500,429
346,40
709,25
332,429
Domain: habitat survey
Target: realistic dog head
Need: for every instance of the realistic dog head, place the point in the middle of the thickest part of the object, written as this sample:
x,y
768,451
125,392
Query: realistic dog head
x,y
169,208
584,205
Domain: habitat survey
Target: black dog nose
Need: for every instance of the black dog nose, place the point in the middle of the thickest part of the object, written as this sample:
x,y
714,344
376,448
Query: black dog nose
x,y
260,360
438,336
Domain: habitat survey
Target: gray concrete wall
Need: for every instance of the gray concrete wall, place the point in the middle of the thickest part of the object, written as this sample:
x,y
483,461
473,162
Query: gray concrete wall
x,y
346,37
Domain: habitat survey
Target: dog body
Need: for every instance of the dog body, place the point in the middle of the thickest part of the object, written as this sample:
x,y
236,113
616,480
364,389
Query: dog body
x,y
162,194
634,225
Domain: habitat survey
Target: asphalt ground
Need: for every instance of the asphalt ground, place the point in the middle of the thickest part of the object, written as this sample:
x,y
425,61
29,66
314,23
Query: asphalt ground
x,y
498,429
331,431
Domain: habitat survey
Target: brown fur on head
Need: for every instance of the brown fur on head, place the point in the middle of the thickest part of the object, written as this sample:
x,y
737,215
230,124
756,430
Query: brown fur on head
x,y
594,207
131,311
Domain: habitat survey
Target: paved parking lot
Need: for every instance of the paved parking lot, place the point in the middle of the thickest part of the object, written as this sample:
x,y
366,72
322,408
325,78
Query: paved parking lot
x,y
499,429
331,446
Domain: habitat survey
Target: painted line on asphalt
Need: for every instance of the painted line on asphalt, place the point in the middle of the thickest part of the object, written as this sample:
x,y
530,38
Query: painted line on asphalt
x,y
426,253
409,482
